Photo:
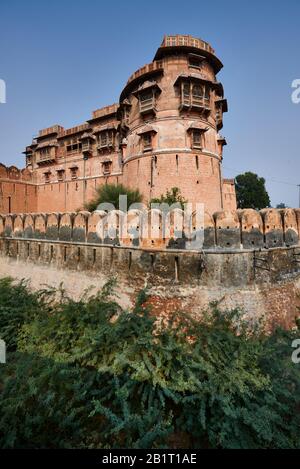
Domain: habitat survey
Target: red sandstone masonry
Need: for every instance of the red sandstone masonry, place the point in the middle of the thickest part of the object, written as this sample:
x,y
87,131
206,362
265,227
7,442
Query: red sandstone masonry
x,y
242,229
185,150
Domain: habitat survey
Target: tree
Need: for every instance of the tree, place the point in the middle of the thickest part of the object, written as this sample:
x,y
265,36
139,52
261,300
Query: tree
x,y
110,193
251,191
172,196
281,205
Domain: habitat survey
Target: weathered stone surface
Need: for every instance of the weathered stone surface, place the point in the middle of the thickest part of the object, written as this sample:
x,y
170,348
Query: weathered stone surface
x,y
40,226
185,280
227,229
273,227
29,226
18,226
252,229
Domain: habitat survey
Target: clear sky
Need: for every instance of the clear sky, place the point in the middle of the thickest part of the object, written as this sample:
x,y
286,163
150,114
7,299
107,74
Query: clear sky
x,y
62,59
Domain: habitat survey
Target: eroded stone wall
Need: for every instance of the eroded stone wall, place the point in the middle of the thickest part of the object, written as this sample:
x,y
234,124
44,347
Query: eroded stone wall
x,y
251,260
229,230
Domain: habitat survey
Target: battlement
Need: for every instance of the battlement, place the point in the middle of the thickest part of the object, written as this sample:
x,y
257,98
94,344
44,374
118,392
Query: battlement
x,y
249,260
12,173
224,230
54,129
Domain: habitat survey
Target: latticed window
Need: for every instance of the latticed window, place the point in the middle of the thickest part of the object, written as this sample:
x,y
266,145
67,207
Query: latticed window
x,y
106,139
147,141
44,152
73,145
207,95
195,95
197,139
86,145
186,94
218,113
146,100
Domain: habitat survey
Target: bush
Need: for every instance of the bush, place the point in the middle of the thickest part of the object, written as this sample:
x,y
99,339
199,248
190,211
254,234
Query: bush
x,y
87,374
109,193
171,197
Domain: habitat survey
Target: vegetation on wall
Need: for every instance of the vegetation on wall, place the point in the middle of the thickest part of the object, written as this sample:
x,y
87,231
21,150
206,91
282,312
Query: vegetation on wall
x,y
87,374
251,191
110,193
172,196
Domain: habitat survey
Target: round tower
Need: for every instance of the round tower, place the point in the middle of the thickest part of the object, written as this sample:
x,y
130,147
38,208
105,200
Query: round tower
x,y
171,111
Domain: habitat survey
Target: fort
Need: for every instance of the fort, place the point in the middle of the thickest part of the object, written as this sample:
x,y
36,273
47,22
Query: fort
x,y
164,132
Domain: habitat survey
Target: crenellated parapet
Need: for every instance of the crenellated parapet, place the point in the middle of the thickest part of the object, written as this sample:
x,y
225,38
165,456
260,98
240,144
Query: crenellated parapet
x,y
152,230
12,173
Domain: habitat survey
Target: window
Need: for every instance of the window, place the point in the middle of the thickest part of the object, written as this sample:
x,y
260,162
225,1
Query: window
x,y
182,41
106,166
87,145
73,145
219,114
207,96
126,114
44,153
74,172
105,139
28,159
146,100
147,141
47,176
171,40
197,139
195,95
195,61
60,174
186,94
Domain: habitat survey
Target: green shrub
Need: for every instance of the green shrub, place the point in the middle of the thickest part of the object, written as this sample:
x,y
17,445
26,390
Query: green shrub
x,y
88,374
172,196
110,193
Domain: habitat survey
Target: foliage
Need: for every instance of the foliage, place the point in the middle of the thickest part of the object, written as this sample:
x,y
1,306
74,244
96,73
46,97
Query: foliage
x,y
251,191
87,374
109,193
172,196
17,306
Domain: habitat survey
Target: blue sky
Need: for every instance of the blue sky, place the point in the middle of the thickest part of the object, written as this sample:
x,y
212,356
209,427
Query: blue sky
x,y
63,59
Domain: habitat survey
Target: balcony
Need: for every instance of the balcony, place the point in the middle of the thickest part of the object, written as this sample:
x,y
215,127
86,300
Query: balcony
x,y
147,105
197,103
86,147
45,158
104,145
